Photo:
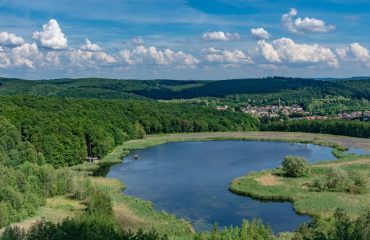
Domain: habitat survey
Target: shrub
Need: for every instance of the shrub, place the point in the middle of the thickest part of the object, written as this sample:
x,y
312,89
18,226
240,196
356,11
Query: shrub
x,y
249,230
360,183
99,203
294,166
319,184
337,179
91,228
338,227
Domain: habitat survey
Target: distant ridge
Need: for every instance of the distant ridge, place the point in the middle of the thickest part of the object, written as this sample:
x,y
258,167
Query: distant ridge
x,y
186,89
343,79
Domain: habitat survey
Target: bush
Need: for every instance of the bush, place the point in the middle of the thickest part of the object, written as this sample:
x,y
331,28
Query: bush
x,y
337,179
360,183
339,227
99,203
319,184
294,166
249,230
91,228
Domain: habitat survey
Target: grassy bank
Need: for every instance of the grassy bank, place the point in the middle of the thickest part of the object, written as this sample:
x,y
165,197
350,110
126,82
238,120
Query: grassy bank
x,y
271,185
133,214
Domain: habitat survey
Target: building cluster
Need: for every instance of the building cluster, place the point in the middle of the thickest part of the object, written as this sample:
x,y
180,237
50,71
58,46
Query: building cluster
x,y
296,112
273,111
355,115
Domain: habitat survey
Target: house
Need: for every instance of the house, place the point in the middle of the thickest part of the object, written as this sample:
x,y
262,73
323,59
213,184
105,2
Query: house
x,y
222,108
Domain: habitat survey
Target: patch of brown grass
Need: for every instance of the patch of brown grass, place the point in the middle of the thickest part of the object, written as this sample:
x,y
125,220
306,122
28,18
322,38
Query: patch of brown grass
x,y
347,163
55,210
126,218
268,180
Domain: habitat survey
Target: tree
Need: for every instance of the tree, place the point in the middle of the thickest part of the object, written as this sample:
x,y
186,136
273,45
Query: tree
x,y
294,166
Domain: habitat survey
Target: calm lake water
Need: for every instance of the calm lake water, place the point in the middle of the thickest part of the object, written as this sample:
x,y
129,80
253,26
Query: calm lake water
x,y
191,180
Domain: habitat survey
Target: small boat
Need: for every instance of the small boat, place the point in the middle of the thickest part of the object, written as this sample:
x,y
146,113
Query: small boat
x,y
136,157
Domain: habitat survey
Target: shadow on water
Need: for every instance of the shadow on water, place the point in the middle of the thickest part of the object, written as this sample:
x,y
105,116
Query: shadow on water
x,y
102,170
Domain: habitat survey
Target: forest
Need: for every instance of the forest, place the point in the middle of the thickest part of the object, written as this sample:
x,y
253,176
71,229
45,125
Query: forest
x,y
64,131
174,89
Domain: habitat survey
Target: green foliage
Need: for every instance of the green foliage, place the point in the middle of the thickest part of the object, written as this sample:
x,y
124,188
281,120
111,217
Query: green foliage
x,y
360,182
63,132
99,203
91,228
330,126
338,180
294,166
338,227
14,151
250,230
26,188
320,97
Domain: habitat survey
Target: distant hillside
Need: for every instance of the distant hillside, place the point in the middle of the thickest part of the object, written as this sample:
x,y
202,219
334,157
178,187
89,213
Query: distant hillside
x,y
175,89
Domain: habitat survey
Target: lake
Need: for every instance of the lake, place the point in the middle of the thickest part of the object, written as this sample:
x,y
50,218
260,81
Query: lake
x,y
191,180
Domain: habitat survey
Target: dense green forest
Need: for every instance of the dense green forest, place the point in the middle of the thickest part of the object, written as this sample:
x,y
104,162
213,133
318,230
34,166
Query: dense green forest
x,y
171,89
336,127
62,132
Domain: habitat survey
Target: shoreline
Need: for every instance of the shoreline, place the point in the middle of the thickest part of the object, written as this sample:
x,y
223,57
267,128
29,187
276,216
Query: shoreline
x,y
340,143
133,213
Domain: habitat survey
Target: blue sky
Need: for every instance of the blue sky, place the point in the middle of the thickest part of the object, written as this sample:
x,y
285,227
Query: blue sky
x,y
184,39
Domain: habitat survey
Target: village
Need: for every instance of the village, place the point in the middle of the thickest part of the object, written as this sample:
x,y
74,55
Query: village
x,y
295,112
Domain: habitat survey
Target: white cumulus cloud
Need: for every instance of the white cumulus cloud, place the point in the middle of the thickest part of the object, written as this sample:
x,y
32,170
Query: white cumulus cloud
x,y
260,33
27,55
142,54
286,50
236,56
220,36
360,52
82,58
92,47
354,52
52,36
10,39
268,51
304,25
